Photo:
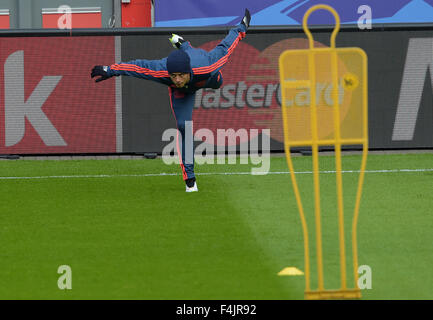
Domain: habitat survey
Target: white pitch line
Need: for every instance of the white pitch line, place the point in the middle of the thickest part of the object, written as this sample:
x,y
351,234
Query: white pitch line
x,y
207,174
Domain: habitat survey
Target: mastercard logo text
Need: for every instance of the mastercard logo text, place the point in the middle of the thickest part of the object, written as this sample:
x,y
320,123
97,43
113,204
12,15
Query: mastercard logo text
x,y
250,97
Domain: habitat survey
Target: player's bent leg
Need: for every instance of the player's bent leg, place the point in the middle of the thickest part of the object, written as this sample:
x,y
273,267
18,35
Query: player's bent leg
x,y
228,44
235,34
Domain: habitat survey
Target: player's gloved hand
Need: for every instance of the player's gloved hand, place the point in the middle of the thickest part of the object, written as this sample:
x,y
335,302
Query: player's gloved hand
x,y
246,19
101,72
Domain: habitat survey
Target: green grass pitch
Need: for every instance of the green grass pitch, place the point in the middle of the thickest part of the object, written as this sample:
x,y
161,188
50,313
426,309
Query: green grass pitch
x,y
127,235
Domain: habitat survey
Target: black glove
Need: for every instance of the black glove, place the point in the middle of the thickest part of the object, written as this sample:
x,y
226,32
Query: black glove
x,y
100,71
246,19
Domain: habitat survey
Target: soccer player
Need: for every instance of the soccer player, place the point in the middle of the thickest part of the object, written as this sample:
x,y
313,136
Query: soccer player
x,y
184,71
